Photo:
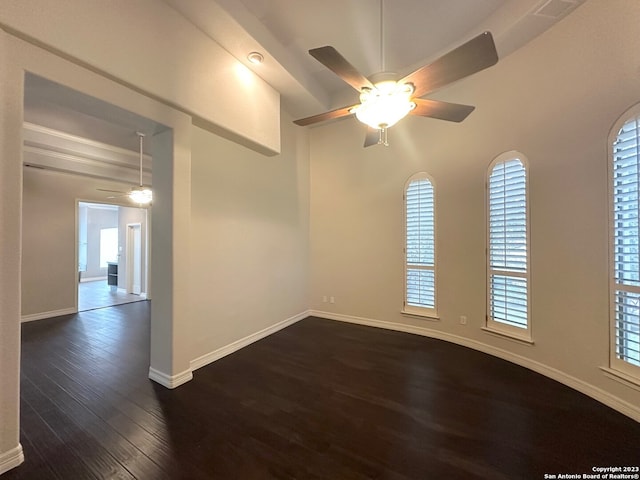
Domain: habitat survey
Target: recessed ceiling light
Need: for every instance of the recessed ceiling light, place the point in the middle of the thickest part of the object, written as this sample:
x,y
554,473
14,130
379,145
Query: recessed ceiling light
x,y
255,58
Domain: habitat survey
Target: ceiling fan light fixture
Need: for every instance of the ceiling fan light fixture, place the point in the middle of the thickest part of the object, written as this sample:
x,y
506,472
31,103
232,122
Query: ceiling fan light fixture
x,y
143,196
385,105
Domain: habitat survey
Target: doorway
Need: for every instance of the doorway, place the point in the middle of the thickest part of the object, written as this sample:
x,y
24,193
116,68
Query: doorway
x,y
50,274
112,255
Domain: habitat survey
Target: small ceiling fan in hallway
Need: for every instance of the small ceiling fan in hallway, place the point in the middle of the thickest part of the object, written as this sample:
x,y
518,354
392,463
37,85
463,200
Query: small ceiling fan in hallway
x,y
141,195
384,100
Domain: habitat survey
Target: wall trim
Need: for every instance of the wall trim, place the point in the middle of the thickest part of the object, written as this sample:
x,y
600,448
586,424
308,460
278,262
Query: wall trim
x,y
42,315
57,138
170,381
55,150
92,279
217,354
11,459
594,392
621,377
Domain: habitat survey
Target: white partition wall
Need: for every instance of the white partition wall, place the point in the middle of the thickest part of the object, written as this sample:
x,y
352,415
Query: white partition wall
x,y
10,203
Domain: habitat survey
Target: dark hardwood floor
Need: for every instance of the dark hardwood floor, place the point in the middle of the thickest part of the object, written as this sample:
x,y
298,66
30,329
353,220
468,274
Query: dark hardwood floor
x,y
318,400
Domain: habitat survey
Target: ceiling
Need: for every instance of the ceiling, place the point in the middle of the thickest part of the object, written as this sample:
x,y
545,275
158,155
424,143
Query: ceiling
x,y
413,33
67,131
56,106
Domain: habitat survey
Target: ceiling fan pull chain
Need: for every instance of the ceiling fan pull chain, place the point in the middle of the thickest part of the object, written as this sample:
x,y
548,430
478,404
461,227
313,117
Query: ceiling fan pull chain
x,y
382,139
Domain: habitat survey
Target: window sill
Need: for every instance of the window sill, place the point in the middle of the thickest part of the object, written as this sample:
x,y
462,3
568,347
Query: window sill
x,y
509,336
425,316
623,378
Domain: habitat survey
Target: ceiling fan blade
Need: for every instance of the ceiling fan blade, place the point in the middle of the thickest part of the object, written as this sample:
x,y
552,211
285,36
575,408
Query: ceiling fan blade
x,y
469,58
452,112
337,113
110,191
330,58
372,138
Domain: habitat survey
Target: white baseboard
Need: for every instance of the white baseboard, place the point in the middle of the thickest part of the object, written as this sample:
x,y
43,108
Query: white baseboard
x,y
170,381
243,342
124,290
92,279
173,381
11,459
594,392
54,313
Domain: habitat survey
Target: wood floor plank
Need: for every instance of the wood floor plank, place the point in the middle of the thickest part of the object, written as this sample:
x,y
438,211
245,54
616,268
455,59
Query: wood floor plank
x,y
79,412
98,460
317,400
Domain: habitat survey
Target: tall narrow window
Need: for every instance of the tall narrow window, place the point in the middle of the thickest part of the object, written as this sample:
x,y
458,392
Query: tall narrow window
x,y
508,249
625,234
108,246
420,254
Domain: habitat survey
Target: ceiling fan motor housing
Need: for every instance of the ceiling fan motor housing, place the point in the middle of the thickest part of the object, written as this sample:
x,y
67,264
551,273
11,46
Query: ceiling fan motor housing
x,y
383,77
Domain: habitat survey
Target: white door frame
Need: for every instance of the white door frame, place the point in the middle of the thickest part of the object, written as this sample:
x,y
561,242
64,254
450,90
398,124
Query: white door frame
x,y
134,258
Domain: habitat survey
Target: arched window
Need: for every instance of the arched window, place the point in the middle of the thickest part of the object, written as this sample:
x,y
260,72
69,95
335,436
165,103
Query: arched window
x,y
624,176
420,251
508,246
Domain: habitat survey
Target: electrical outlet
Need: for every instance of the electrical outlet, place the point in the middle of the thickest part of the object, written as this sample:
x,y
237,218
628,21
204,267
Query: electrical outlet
x,y
463,319
324,299
332,299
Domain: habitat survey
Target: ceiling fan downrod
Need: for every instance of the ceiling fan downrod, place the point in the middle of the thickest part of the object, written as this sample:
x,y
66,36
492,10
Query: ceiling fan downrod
x,y
382,59
141,139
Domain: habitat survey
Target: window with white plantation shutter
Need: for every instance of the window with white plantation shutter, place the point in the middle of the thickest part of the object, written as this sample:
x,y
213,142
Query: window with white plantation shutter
x,y
420,255
625,258
508,246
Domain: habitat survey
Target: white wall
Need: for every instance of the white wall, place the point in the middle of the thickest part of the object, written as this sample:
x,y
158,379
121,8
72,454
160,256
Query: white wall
x,y
555,101
147,44
249,238
11,93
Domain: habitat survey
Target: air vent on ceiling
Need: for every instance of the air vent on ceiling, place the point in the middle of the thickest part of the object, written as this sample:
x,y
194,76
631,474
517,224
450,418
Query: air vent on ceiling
x,y
556,8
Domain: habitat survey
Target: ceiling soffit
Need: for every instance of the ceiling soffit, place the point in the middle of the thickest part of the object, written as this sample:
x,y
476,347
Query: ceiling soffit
x,y
416,32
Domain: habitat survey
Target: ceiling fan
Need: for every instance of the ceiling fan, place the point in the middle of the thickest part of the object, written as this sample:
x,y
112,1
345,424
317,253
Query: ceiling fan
x,y
140,194
385,100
